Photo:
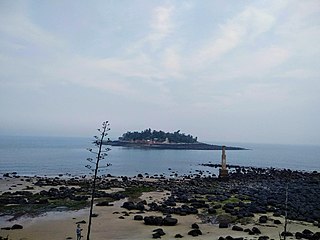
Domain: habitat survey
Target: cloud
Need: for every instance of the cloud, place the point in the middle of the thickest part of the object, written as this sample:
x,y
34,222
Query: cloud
x,y
161,23
261,63
299,29
299,73
172,62
245,26
251,98
19,30
134,78
160,26
260,94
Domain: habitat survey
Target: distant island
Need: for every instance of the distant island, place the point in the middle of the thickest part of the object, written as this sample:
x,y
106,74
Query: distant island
x,y
152,139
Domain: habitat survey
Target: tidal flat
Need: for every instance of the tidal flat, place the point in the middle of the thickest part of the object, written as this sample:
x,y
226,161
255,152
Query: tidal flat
x,y
250,203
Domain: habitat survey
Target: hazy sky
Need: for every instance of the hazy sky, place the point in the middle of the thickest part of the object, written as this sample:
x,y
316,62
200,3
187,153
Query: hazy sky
x,y
242,71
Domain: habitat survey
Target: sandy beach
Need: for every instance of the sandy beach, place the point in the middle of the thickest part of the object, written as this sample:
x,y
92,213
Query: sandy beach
x,y
116,222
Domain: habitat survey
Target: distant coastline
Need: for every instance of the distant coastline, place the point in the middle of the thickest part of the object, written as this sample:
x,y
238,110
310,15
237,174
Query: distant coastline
x,y
175,146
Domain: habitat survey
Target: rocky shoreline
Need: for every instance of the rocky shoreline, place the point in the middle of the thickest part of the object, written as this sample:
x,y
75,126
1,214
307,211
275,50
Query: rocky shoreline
x,y
249,195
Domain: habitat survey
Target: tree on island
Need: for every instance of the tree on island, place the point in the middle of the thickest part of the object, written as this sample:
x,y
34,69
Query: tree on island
x,y
100,155
158,136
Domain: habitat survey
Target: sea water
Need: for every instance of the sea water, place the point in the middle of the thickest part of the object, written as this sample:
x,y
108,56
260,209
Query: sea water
x,y
52,156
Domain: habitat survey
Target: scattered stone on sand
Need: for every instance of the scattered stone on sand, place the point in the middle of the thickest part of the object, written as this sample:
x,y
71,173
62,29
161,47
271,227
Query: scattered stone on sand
x,y
158,233
263,219
195,232
138,218
223,225
81,222
256,230
16,226
237,228
276,221
178,235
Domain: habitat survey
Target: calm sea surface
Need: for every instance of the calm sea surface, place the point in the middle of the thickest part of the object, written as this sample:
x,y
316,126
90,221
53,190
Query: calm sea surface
x,y
52,156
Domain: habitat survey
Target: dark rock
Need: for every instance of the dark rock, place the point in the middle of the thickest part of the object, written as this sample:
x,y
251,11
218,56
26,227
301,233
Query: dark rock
x,y
42,201
169,221
263,238
217,206
178,235
157,221
237,228
132,206
199,204
195,232
6,228
159,231
212,211
16,226
223,225
81,222
232,238
277,214
170,202
299,235
288,234
138,218
129,205
195,226
307,232
263,219
156,235
256,230
104,203
140,206
315,236
276,221
152,220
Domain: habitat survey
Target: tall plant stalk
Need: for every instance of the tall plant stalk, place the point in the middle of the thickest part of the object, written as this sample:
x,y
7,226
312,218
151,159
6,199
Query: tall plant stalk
x,y
285,216
286,213
100,154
